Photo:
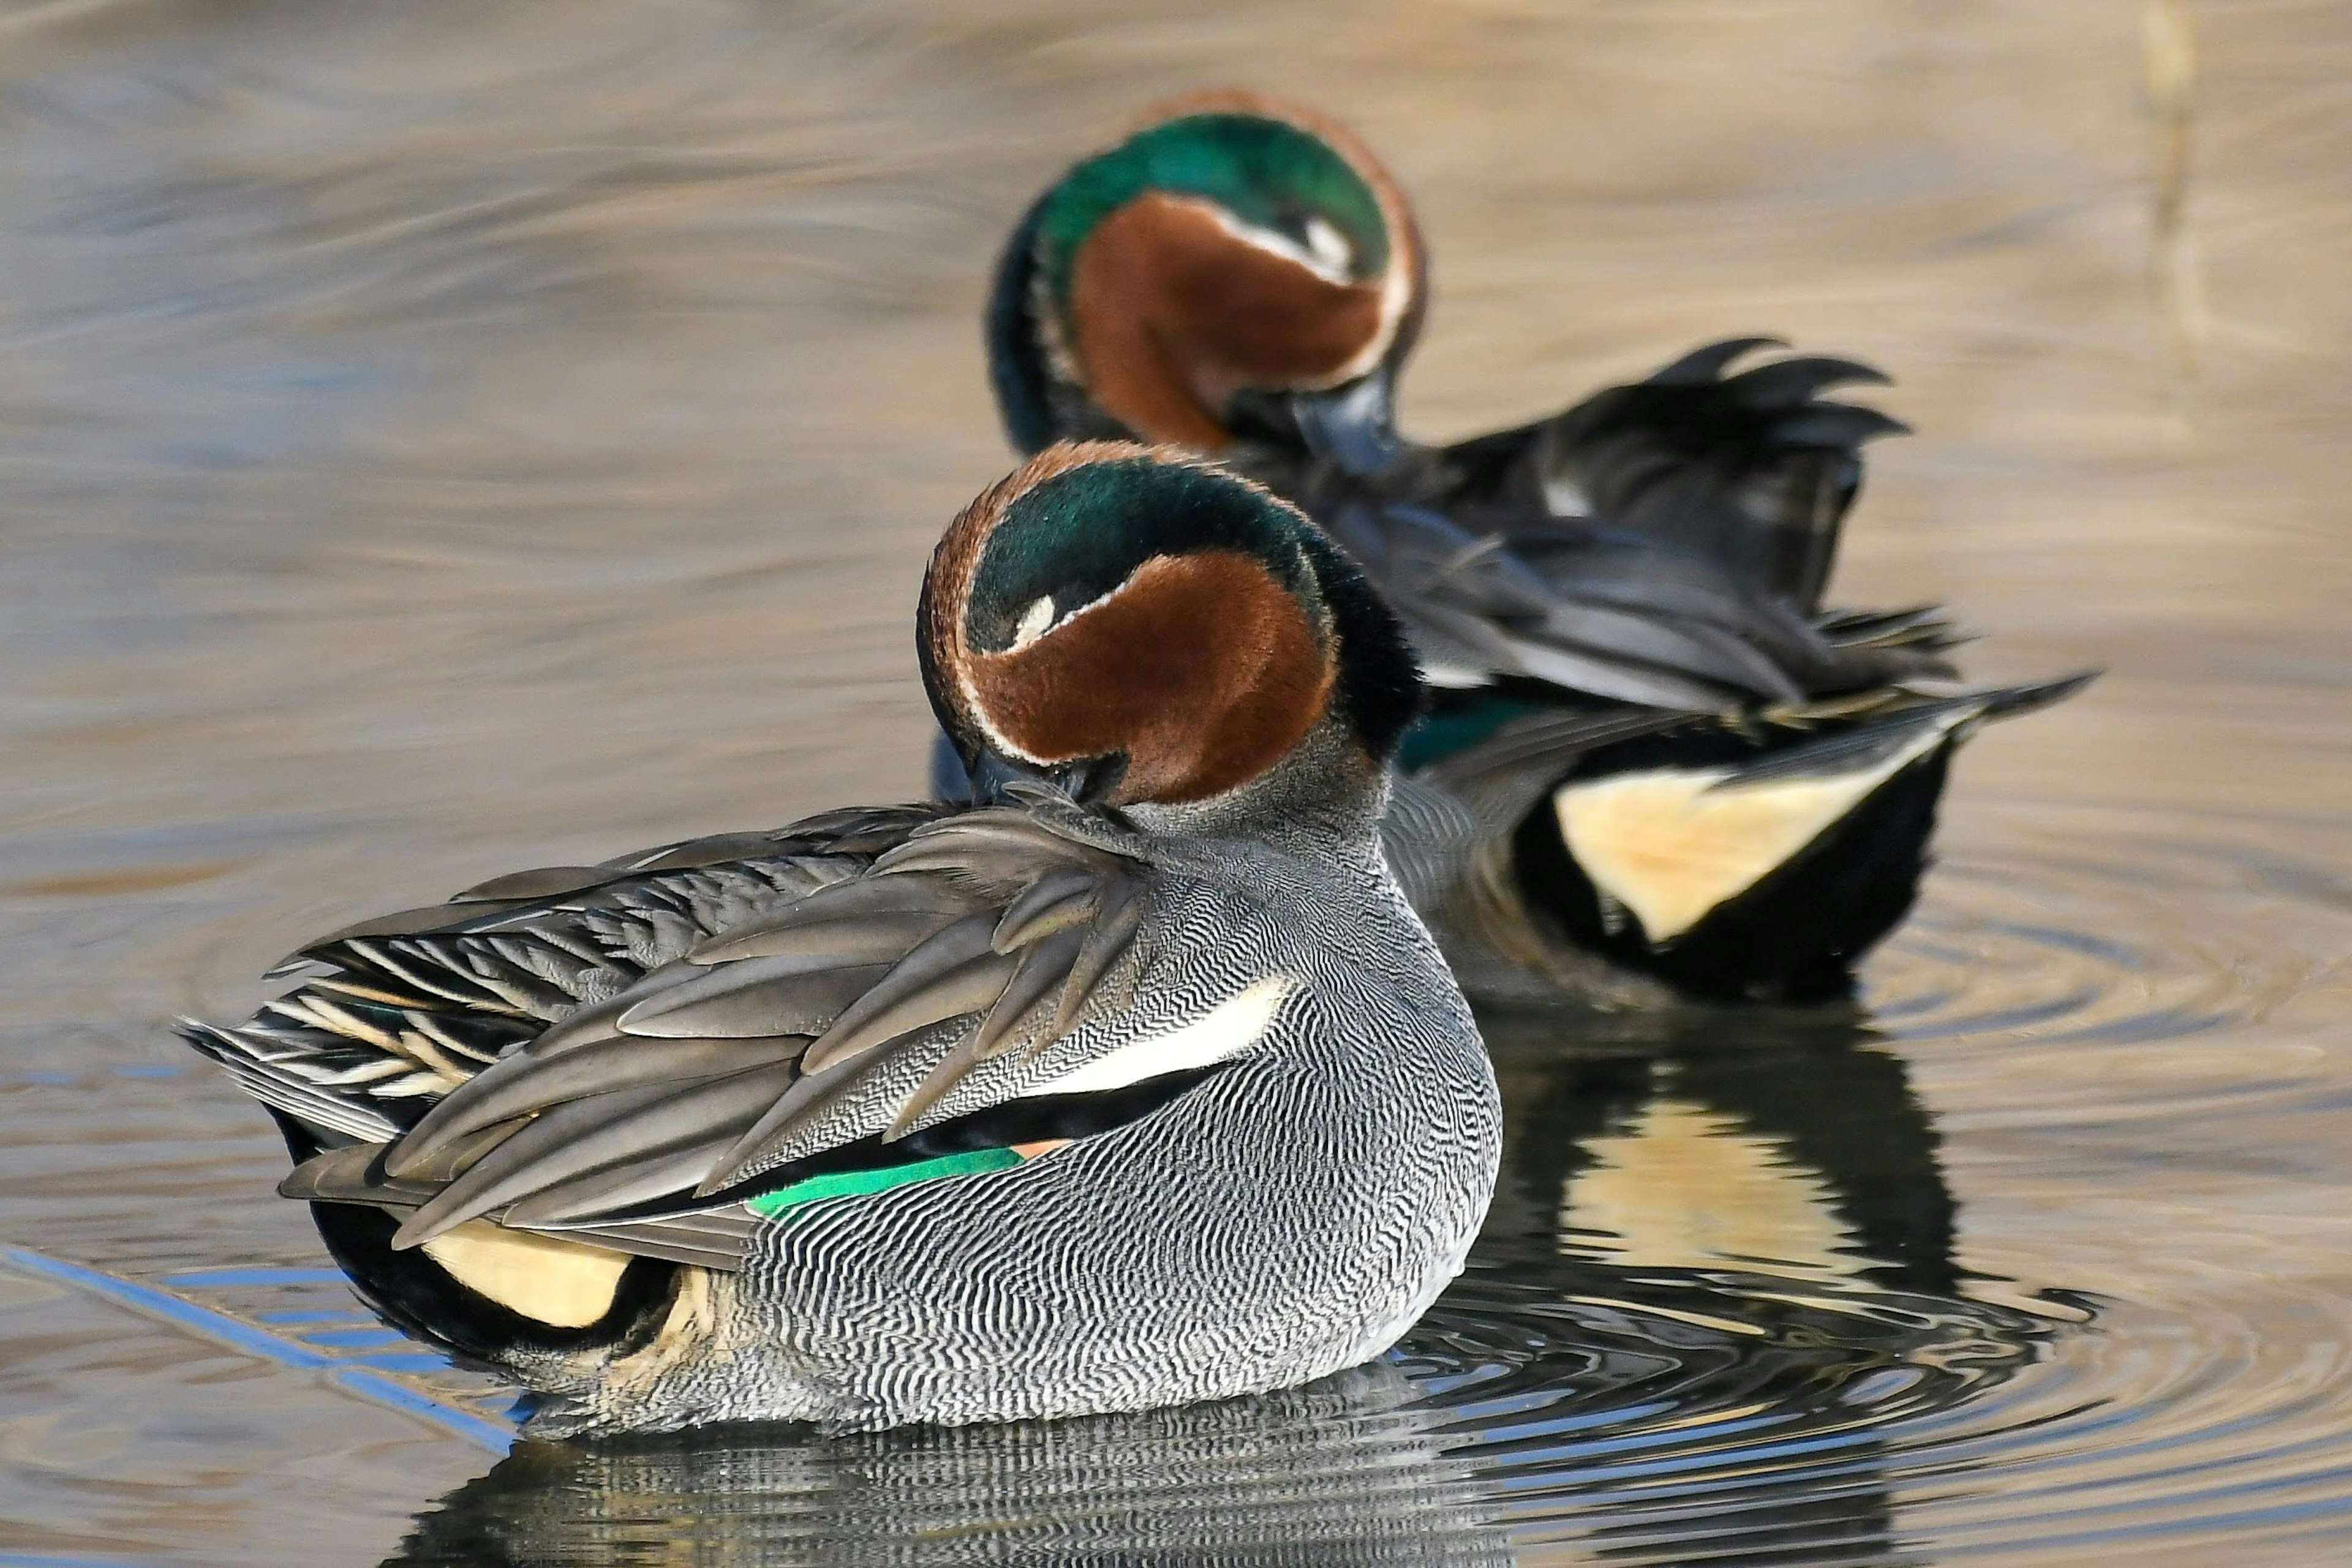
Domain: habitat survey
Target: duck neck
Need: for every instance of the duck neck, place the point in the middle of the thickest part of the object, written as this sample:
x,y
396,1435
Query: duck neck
x,y
1323,799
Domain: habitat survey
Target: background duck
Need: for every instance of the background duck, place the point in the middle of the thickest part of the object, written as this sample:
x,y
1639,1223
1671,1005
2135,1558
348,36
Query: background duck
x,y
1656,762
1139,1084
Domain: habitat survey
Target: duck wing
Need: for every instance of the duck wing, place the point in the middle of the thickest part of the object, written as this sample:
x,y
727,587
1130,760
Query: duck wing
x,y
1601,612
1663,544
1751,467
846,1032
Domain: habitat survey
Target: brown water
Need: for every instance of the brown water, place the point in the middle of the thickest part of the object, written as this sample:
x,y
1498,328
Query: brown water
x,y
439,438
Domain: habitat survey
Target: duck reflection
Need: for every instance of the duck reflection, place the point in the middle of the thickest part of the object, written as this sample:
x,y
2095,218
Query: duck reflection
x,y
1717,1275
1737,1233
1340,1472
1789,1144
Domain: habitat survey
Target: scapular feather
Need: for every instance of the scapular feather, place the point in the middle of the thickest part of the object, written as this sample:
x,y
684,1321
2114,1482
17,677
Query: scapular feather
x,y
1044,971
875,915
582,1135
352,1174
546,882
1053,903
913,1005
1786,384
1702,365
791,995
616,1188
794,1110
1117,920
521,1085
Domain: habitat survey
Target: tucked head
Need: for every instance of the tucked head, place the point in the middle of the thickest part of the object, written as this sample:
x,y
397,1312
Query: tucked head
x,y
1230,246
1149,629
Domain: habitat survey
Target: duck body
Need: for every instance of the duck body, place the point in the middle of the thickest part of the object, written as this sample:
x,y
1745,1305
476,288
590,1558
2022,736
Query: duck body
x,y
1654,765
1036,1108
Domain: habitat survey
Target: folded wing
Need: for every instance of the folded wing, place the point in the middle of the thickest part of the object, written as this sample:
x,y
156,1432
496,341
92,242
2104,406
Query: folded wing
x,y
633,1061
1664,543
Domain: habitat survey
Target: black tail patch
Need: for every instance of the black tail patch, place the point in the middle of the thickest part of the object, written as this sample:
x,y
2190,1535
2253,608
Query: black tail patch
x,y
1796,935
423,1300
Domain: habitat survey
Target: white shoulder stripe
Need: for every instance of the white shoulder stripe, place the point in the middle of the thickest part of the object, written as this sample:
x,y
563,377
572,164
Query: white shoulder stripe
x,y
1226,1030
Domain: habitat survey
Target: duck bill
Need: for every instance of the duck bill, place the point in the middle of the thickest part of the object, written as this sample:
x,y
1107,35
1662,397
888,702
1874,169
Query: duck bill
x,y
1090,781
1352,424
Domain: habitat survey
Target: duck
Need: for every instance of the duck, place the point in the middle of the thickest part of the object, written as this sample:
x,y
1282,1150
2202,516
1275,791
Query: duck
x,y
1655,767
1133,1082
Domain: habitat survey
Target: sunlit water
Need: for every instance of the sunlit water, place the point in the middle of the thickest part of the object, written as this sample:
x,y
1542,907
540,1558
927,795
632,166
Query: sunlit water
x,y
435,439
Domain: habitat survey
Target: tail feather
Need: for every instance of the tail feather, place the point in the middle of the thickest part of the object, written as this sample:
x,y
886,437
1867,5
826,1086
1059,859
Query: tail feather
x,y
1757,468
1759,862
293,1076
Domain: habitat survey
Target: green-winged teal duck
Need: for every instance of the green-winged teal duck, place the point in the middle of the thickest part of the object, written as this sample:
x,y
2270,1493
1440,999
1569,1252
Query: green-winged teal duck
x,y
1139,1083
1655,764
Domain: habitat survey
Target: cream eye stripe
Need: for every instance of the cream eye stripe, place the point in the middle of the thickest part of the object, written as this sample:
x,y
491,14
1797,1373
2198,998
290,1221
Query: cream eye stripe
x,y
1313,256
1396,283
1024,638
1036,621
1042,618
1329,245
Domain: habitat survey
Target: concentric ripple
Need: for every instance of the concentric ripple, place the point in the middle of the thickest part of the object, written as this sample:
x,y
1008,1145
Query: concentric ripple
x,y
2034,1259
2071,928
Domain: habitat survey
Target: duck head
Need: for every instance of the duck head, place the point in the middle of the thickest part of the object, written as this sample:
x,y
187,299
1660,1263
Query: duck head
x,y
1232,261
1148,632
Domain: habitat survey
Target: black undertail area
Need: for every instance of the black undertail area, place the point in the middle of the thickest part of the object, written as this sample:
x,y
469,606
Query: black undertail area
x,y
1794,936
410,1292
415,1295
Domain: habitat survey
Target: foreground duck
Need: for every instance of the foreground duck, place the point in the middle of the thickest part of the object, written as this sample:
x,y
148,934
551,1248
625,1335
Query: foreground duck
x,y
1139,1084
1655,762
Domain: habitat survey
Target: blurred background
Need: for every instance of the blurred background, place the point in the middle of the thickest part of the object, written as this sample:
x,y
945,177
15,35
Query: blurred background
x,y
438,438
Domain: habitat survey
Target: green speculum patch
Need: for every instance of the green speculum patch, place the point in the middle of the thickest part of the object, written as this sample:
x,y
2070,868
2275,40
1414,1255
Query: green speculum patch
x,y
1457,725
993,1138
1267,173
850,1183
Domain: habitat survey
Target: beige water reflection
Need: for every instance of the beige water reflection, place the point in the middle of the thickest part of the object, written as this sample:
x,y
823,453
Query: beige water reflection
x,y
440,438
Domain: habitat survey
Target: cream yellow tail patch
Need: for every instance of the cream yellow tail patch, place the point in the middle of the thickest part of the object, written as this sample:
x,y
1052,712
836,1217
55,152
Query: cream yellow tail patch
x,y
1227,1030
1670,844
559,1283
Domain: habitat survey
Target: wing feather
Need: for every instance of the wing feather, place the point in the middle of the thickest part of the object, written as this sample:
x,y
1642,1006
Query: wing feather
x,y
621,1052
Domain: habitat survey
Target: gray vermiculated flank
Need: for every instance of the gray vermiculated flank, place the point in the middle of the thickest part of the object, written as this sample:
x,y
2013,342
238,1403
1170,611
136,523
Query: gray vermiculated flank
x,y
1290,1217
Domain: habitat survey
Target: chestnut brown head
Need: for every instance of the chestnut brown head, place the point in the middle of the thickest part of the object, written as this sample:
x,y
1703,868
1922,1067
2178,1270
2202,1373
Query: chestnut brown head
x,y
1230,247
1149,628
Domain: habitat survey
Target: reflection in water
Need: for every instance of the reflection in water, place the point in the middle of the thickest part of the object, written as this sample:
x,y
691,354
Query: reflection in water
x,y
1336,1473
1737,1224
1788,1143
1720,1267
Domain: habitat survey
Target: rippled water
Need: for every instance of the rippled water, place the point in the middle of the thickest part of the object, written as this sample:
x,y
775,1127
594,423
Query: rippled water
x,y
436,438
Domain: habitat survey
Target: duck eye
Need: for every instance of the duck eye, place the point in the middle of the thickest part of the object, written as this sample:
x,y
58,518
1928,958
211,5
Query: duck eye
x,y
1036,621
1328,244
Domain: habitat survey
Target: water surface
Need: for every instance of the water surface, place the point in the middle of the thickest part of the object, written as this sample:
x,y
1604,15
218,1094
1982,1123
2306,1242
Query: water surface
x,y
440,438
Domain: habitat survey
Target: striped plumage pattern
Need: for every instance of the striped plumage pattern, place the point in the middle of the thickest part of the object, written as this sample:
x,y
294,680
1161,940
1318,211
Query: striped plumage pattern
x,y
1342,1179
